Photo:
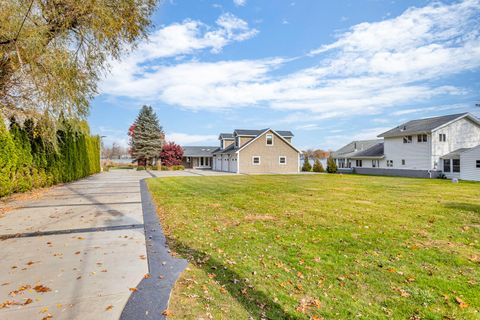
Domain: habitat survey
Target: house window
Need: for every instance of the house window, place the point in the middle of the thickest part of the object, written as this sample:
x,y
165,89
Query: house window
x,y
237,141
269,138
422,138
256,160
478,163
442,137
407,139
389,163
282,160
374,163
358,163
446,165
456,165
403,162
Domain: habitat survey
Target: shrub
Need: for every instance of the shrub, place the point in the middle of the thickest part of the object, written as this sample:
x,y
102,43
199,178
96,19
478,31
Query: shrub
x,y
306,165
140,168
8,160
179,167
28,160
317,166
171,154
165,168
331,165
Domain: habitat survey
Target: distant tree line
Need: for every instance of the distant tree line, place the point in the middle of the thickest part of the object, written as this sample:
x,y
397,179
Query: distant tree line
x,y
29,160
316,156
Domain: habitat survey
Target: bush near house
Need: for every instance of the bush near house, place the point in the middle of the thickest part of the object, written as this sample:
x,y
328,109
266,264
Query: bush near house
x,y
29,160
171,154
331,165
306,165
317,166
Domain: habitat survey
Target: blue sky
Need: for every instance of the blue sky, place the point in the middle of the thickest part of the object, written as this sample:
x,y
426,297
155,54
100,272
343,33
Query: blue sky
x,y
330,71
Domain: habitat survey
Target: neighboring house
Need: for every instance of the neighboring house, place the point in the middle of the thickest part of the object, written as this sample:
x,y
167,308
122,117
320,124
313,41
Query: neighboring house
x,y
198,157
343,156
425,148
257,151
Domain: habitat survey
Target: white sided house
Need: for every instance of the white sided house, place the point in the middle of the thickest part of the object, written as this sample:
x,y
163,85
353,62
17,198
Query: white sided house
x,y
256,151
428,148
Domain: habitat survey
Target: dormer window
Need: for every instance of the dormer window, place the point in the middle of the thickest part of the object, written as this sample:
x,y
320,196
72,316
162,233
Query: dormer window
x,y
269,140
237,141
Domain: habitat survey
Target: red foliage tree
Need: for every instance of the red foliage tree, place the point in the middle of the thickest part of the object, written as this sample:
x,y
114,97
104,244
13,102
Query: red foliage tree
x,y
171,154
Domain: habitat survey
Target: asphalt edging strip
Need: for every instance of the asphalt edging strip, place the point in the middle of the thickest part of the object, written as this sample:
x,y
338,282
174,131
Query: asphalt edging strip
x,y
153,292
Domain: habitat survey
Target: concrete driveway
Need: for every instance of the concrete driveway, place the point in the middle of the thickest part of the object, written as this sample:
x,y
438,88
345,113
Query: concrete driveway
x,y
78,251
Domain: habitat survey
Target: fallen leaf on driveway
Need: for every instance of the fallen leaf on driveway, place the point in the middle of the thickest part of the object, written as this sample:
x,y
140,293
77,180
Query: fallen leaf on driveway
x,y
110,307
19,290
29,263
146,276
41,288
133,289
143,257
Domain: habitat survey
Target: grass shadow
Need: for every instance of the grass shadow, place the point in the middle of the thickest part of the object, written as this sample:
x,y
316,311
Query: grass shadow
x,y
463,206
258,304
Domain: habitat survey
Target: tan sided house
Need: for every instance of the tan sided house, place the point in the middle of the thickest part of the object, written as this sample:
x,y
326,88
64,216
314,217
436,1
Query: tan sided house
x,y
256,151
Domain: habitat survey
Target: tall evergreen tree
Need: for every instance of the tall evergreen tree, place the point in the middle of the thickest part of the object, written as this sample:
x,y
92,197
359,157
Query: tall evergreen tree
x,y
317,166
146,137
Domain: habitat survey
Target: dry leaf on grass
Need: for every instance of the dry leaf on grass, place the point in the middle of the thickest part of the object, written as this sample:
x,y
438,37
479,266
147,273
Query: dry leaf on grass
x,y
167,313
462,304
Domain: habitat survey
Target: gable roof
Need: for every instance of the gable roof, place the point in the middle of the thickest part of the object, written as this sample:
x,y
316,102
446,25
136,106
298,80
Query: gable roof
x,y
355,146
375,151
426,125
274,132
228,136
198,151
255,133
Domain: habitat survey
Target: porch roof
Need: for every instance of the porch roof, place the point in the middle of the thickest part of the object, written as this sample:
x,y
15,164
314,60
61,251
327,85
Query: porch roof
x,y
200,151
455,154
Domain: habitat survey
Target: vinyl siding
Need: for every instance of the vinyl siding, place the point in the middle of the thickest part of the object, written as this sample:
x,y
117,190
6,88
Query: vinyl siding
x,y
417,155
269,155
468,169
460,134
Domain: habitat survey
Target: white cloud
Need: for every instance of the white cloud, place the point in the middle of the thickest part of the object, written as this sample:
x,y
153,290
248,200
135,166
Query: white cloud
x,y
240,3
372,67
192,139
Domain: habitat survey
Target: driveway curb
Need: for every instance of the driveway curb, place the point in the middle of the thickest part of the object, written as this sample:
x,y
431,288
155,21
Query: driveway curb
x,y
153,293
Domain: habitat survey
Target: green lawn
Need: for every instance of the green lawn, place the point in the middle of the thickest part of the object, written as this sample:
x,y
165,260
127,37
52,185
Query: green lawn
x,y
323,247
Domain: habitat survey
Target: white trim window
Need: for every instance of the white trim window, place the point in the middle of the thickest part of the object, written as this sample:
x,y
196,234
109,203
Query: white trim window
x,y
455,165
478,164
269,139
442,137
407,139
358,163
403,162
422,138
256,160
389,163
282,160
446,165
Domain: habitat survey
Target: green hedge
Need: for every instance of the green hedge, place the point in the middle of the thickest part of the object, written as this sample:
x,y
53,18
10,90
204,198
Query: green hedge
x,y
27,160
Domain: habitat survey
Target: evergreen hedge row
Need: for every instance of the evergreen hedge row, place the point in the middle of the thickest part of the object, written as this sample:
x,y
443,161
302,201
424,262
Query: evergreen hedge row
x,y
28,160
